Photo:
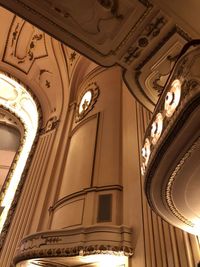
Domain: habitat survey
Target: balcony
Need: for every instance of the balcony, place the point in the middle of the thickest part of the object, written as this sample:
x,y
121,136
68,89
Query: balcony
x,y
171,150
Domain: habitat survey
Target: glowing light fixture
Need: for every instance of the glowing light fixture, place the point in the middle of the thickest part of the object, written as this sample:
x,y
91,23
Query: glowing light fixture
x,y
146,151
172,98
85,102
106,260
171,179
156,128
28,263
171,102
16,99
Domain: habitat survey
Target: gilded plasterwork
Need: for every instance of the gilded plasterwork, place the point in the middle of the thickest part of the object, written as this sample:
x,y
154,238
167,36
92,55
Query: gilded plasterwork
x,y
129,33
16,100
151,31
25,44
178,104
70,243
87,101
169,187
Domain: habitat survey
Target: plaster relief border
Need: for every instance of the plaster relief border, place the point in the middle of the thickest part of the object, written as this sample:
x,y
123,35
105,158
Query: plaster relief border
x,y
139,68
146,3
169,187
59,243
10,51
25,171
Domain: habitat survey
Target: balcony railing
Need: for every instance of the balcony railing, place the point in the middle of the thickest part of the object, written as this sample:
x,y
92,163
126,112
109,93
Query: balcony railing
x,y
171,149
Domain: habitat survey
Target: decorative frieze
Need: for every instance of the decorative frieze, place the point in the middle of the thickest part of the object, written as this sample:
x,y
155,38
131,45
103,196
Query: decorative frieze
x,y
151,31
115,240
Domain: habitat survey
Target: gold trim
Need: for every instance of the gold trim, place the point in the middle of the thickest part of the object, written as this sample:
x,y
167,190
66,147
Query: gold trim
x,y
23,6
14,34
116,240
169,187
15,200
94,89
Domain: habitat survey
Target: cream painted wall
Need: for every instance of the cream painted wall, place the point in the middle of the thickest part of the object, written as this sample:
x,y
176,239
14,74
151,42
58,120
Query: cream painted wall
x,y
112,133
156,243
92,160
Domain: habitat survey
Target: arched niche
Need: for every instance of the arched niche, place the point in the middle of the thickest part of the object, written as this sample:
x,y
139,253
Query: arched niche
x,y
9,145
19,124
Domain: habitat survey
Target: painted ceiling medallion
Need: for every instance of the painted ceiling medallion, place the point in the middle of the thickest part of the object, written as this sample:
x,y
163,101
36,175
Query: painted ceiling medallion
x,y
87,100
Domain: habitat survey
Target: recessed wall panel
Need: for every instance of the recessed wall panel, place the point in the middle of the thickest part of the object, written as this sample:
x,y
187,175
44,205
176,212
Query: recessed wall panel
x,y
80,159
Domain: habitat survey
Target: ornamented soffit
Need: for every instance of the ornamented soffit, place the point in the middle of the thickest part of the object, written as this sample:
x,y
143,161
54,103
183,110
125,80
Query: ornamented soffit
x,y
142,37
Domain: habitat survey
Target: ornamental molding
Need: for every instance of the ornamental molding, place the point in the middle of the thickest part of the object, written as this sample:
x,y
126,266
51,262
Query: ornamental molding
x,y
170,183
51,124
18,192
7,118
84,192
190,87
173,122
20,51
122,32
82,109
151,30
170,33
140,67
170,128
116,240
111,5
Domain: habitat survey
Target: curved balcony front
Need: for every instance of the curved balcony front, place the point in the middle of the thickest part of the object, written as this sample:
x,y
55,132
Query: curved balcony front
x,y
171,150
81,246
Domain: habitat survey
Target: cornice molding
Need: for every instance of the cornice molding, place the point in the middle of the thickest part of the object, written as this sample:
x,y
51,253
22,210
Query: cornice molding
x,y
86,191
115,240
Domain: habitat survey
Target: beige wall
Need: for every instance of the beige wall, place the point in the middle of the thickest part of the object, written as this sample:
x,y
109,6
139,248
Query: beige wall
x,y
156,242
100,151
92,159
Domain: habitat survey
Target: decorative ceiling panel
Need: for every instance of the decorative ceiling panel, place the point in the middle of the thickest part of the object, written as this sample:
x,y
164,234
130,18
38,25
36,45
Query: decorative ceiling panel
x,y
36,59
129,33
25,44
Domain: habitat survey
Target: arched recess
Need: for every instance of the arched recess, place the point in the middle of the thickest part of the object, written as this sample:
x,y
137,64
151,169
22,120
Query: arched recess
x,y
9,144
17,107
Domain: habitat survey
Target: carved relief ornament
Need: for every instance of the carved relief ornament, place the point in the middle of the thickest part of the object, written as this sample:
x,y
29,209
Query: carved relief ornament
x,y
87,101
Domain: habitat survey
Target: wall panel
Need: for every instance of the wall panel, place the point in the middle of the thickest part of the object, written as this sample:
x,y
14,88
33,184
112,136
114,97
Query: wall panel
x,y
79,163
27,203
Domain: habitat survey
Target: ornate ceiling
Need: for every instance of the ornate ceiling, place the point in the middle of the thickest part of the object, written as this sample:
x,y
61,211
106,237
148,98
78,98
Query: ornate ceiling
x,y
141,36
31,56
